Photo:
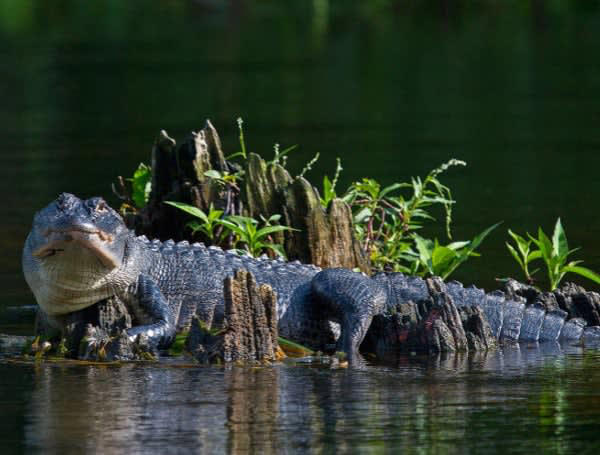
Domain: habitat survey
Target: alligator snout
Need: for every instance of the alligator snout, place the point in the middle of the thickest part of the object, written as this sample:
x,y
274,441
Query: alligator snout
x,y
57,240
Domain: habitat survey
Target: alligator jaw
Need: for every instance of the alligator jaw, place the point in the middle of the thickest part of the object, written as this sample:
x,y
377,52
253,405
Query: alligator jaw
x,y
93,239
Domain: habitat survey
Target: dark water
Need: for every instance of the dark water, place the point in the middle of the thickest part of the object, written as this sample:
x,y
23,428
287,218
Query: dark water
x,y
393,88
519,399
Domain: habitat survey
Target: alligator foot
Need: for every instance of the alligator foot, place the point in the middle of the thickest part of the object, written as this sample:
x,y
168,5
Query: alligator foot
x,y
351,299
153,307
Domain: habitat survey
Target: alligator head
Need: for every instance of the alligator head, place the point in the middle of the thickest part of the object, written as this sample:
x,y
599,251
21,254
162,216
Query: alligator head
x,y
73,252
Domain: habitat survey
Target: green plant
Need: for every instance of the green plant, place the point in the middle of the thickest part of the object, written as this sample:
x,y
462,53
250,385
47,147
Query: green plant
x,y
245,230
440,260
329,186
280,157
308,166
554,254
386,221
425,193
242,152
255,239
209,222
141,185
225,178
523,254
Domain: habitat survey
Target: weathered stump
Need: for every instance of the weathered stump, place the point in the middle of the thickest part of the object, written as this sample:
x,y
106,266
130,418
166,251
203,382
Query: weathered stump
x,y
249,333
96,333
178,174
323,237
431,325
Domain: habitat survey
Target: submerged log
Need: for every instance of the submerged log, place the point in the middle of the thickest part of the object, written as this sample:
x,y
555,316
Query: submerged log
x,y
323,237
249,333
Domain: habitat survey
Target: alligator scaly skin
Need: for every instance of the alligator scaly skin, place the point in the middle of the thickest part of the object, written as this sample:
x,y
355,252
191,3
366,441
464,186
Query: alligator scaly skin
x,y
508,318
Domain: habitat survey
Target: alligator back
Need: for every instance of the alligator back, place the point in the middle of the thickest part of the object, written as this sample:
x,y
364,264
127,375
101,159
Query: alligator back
x,y
191,276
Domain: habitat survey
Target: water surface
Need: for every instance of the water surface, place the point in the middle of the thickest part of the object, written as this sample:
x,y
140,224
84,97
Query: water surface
x,y
519,399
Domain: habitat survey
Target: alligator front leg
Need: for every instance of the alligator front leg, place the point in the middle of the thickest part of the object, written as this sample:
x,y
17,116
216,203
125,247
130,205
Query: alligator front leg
x,y
352,299
152,308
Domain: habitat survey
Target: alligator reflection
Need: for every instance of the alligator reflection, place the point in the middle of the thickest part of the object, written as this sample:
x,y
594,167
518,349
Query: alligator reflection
x,y
525,395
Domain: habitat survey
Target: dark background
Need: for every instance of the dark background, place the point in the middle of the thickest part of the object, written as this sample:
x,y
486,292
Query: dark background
x,y
394,88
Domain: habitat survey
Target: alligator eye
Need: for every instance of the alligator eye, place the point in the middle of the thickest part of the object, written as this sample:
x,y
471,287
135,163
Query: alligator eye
x,y
101,206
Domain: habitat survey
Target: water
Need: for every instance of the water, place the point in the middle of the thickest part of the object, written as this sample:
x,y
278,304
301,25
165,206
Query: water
x,y
393,88
520,399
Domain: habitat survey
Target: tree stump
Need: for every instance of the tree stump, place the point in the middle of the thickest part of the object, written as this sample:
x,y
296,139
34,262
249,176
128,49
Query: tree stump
x,y
431,325
249,332
323,237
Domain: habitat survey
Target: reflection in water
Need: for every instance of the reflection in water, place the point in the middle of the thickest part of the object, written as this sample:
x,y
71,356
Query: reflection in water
x,y
520,396
252,409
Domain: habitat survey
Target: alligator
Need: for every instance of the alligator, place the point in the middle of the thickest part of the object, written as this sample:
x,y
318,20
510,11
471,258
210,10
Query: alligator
x,y
80,252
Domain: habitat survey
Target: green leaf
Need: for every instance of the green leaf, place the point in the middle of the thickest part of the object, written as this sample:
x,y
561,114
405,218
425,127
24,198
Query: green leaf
x,y
362,215
234,155
544,244
583,271
288,150
522,244
141,185
425,248
277,248
457,245
241,220
536,254
389,189
195,211
474,244
327,189
270,229
515,255
234,228
468,251
213,174
560,247
441,259
214,214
